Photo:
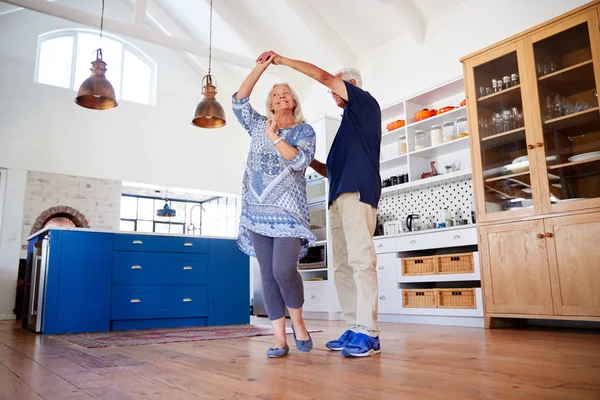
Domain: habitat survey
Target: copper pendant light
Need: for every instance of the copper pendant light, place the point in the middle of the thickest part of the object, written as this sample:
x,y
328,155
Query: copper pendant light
x,y
96,92
209,113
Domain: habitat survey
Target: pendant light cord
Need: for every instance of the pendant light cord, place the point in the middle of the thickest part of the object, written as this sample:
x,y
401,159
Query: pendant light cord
x,y
102,21
209,38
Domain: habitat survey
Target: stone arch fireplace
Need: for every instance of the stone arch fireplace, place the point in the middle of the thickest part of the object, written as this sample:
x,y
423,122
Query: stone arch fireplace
x,y
59,216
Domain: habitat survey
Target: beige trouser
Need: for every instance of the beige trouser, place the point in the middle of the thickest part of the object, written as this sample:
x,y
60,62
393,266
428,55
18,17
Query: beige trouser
x,y
352,227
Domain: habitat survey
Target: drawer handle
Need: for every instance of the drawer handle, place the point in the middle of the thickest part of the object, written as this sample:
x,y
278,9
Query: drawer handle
x,y
136,267
381,297
187,300
412,242
380,267
456,237
138,242
135,301
379,245
312,296
188,244
187,268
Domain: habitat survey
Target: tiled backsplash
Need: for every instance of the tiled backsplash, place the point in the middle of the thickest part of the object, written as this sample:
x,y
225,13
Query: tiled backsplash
x,y
429,202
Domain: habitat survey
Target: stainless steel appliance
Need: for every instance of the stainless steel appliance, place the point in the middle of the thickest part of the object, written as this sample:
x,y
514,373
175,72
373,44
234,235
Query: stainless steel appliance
x,y
316,258
316,189
38,284
318,219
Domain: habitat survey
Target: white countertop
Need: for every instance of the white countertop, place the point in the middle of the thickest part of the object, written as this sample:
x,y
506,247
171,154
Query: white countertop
x,y
426,231
57,228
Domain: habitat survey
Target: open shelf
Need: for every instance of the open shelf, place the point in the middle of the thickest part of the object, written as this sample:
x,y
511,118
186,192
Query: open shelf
x,y
570,164
427,181
427,123
392,136
568,121
397,161
568,81
503,98
442,148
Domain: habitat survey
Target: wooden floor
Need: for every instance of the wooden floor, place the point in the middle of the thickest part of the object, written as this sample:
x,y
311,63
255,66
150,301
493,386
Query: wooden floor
x,y
417,362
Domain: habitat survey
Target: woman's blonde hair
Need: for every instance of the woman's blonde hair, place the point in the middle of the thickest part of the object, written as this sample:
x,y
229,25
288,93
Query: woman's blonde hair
x,y
298,116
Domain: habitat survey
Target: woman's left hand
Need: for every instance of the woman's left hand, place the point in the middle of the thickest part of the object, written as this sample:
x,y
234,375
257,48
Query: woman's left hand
x,y
272,127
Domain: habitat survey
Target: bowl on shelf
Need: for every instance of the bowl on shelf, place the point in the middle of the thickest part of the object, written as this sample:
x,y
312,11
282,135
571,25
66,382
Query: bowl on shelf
x,y
392,126
445,109
424,114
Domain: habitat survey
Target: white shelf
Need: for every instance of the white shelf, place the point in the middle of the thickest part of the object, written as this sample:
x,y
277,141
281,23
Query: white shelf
x,y
393,162
427,181
440,92
392,136
439,278
427,123
443,148
457,312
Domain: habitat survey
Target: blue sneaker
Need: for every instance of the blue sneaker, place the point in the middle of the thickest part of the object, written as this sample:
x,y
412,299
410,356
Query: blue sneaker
x,y
362,346
339,344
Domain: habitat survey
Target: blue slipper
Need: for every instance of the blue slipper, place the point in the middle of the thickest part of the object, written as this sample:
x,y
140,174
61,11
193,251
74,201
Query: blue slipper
x,y
303,345
278,352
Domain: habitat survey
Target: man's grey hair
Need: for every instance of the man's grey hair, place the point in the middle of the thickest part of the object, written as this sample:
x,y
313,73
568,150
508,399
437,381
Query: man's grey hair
x,y
350,73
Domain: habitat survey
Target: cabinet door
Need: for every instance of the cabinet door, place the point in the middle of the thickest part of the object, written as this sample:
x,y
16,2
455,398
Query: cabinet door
x,y
574,257
564,79
504,164
515,268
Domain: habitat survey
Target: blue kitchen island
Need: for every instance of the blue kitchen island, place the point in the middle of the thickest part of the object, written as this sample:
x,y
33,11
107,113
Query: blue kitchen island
x,y
81,280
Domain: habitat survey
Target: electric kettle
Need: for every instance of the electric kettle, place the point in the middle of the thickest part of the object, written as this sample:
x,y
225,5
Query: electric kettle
x,y
409,221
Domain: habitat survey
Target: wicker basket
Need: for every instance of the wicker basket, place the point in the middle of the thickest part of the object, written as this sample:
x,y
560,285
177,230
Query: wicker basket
x,y
455,264
419,298
418,266
456,298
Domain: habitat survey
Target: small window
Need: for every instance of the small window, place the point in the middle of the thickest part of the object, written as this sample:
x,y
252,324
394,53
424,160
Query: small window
x,y
64,59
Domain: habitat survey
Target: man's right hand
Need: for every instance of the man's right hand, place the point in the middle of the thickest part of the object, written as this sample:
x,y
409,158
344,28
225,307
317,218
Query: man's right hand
x,y
319,167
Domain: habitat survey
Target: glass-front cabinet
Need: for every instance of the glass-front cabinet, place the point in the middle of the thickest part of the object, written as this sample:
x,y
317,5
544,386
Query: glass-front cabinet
x,y
536,123
566,77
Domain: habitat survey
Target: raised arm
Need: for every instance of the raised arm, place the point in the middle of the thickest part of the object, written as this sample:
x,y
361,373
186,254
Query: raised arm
x,y
248,84
334,83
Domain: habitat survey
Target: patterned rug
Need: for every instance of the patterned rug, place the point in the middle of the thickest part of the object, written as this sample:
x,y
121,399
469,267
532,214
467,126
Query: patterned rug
x,y
167,335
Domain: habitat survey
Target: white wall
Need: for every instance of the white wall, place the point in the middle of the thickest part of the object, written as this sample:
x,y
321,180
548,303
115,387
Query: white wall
x,y
400,68
10,243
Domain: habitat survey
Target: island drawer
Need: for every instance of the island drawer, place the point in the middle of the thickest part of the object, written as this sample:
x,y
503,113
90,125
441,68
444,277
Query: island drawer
x,y
139,302
147,268
157,243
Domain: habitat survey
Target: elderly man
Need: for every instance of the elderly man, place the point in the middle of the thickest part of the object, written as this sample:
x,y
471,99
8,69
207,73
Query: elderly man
x,y
354,191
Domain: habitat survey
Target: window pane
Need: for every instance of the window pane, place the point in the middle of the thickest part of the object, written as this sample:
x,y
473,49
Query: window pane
x,y
161,227
146,209
145,226
54,64
128,207
222,228
137,79
128,226
222,208
112,51
179,207
231,204
177,228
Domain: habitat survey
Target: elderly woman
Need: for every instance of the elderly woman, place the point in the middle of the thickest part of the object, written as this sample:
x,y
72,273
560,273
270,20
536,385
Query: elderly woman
x,y
274,225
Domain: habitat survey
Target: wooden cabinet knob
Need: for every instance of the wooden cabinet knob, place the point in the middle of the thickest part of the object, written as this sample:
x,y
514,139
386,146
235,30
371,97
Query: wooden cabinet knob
x,y
530,146
539,144
541,236
549,234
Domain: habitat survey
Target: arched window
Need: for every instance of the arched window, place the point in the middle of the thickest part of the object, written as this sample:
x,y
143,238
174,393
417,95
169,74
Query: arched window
x,y
64,57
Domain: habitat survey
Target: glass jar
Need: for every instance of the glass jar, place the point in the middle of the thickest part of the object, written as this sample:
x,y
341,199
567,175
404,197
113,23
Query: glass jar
x,y
420,140
402,145
449,129
437,136
462,127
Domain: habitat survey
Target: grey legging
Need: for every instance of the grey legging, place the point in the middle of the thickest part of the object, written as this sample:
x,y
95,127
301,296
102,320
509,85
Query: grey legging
x,y
281,282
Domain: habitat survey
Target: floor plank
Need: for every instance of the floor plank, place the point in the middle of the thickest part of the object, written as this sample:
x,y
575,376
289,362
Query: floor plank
x,y
418,362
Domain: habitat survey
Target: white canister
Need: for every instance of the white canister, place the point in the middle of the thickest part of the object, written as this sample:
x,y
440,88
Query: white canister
x,y
437,135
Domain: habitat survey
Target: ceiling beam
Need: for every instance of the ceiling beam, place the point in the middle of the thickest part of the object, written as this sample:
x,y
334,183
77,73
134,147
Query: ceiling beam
x,y
330,38
139,12
413,21
130,30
